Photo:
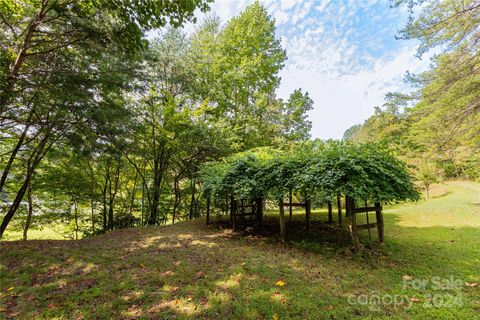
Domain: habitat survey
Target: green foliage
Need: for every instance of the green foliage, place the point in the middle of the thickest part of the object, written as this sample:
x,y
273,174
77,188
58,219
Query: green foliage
x,y
427,175
236,69
365,171
441,119
120,124
296,124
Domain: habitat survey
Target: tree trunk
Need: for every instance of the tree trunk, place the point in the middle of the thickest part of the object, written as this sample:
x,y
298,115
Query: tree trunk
x,y
111,199
104,196
75,210
157,181
35,158
30,211
13,155
192,201
177,199
132,200
21,55
92,213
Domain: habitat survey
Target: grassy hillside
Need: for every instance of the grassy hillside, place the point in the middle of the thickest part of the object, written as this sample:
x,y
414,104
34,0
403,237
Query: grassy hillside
x,y
428,268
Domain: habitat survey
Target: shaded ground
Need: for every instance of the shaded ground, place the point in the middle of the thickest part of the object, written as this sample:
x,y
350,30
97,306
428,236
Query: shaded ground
x,y
192,271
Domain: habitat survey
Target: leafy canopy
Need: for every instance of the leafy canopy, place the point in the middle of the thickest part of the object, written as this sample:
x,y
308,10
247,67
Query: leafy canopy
x,y
366,171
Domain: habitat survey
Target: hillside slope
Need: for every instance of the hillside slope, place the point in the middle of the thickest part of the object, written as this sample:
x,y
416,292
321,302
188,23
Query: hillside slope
x,y
190,270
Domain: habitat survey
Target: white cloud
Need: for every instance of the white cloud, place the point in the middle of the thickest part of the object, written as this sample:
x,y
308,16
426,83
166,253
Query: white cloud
x,y
345,100
322,5
343,53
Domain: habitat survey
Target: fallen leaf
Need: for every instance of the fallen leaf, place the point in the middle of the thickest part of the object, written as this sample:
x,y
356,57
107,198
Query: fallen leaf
x,y
3,310
330,307
413,299
407,277
10,289
200,274
280,283
275,317
471,284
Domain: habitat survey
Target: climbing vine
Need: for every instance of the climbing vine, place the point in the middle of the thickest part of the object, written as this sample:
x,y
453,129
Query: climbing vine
x,y
364,172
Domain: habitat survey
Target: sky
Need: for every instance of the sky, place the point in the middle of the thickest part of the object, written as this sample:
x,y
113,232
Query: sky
x,y
344,53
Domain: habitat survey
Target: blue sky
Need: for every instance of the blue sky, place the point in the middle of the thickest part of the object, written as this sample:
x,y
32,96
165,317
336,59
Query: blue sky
x,y
344,53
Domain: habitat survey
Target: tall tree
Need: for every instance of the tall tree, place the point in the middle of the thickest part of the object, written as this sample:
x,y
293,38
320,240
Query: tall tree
x,y
56,57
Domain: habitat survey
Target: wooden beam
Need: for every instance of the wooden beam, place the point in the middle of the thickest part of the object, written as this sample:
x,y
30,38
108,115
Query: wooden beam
x,y
293,204
366,209
366,226
245,214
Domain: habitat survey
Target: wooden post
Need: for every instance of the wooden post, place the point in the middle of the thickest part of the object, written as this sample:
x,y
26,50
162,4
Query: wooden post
x,y
307,214
282,219
234,212
259,205
353,223
330,216
242,210
208,210
368,221
339,206
347,203
291,208
231,209
379,216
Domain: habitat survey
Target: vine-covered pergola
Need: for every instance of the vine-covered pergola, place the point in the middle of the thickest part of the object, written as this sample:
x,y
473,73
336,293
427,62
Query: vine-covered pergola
x,y
360,176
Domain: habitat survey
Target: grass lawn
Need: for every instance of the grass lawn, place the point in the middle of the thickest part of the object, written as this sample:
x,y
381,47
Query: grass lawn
x,y
427,269
46,233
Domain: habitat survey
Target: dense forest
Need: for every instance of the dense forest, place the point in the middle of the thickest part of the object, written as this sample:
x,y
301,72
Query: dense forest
x,y
109,108
105,128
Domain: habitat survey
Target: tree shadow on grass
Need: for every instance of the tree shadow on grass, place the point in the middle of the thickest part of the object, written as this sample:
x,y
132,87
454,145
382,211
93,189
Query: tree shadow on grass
x,y
194,271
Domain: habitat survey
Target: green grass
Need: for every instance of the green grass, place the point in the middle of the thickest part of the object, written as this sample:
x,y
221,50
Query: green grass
x,y
192,271
46,233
